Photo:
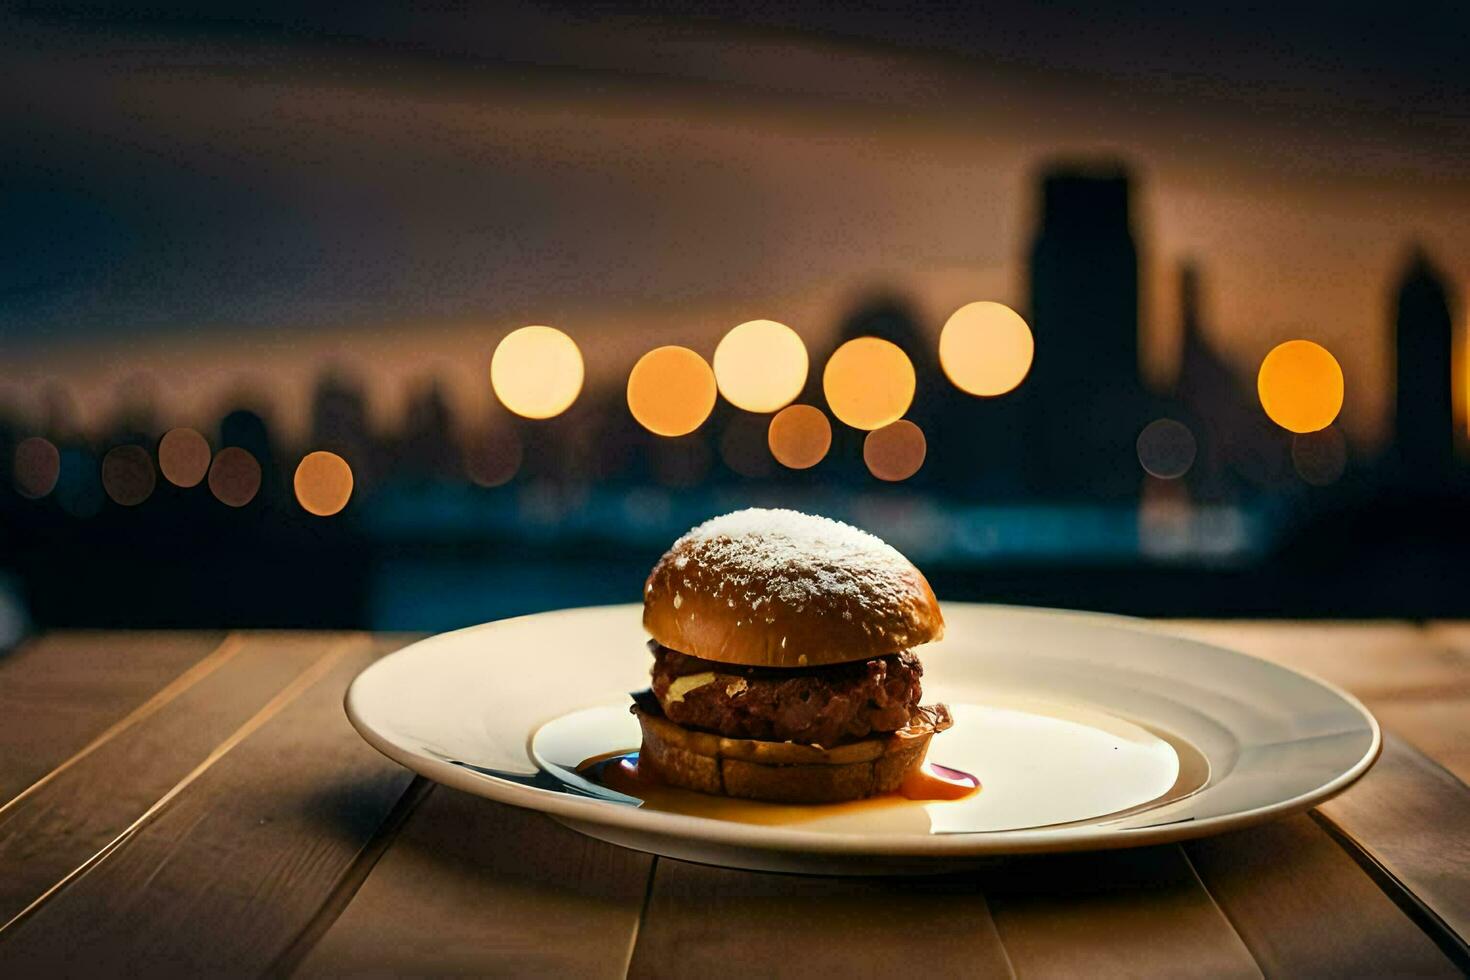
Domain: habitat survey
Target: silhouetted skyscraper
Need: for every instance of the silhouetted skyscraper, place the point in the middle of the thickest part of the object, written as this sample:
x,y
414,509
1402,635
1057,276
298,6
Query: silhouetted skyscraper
x,y
1234,435
428,447
1084,403
1204,390
891,317
137,416
1424,414
339,424
249,430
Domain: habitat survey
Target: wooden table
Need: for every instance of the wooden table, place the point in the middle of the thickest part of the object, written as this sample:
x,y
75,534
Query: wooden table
x,y
180,803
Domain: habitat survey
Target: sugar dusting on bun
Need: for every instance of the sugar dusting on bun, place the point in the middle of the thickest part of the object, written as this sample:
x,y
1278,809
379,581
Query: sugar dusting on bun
x,y
777,588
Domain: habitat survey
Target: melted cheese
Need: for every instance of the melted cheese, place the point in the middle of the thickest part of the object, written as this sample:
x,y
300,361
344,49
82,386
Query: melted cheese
x,y
681,686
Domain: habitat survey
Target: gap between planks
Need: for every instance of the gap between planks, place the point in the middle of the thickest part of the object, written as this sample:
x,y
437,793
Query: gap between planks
x,y
642,914
383,837
1428,921
221,654
269,710
352,880
1214,901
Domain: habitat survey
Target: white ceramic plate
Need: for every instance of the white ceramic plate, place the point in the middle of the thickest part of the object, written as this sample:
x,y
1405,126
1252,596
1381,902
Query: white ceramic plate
x,y
1085,731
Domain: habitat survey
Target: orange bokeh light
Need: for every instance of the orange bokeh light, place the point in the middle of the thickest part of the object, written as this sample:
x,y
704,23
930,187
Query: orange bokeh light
x,y
869,383
671,391
36,467
986,349
323,483
128,475
494,458
183,455
799,436
1301,386
537,372
234,476
895,452
761,366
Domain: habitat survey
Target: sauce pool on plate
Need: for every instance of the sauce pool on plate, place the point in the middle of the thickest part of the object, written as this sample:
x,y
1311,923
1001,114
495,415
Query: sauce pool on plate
x,y
620,772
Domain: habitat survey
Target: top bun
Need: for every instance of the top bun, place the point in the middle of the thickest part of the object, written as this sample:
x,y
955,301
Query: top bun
x,y
775,588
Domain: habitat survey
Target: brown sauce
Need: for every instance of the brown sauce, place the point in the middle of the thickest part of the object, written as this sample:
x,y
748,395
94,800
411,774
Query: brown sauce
x,y
932,782
620,772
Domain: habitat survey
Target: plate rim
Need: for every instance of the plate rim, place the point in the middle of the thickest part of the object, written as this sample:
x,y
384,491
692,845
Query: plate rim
x,y
1094,836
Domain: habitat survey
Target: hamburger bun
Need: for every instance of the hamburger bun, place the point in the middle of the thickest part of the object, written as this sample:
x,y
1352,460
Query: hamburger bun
x,y
775,588
782,772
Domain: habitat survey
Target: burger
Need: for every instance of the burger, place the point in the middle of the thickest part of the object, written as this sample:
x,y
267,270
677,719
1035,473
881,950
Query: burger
x,y
782,663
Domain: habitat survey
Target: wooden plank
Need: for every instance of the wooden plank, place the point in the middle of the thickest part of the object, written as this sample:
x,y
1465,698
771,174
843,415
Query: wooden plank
x,y
1409,822
1305,908
477,888
1127,913
59,824
63,691
1375,661
714,922
230,869
1454,634
1440,728
1438,725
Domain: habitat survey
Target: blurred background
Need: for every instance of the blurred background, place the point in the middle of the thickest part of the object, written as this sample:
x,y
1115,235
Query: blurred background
x,y
1147,309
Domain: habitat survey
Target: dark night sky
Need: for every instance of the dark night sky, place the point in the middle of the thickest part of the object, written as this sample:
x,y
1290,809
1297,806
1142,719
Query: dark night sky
x,y
259,192
1400,62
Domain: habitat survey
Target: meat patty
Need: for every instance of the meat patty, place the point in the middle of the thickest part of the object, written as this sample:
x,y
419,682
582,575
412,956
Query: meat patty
x,y
813,705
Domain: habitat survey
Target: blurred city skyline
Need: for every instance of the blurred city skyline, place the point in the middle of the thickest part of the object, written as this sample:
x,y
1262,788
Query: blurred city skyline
x,y
393,215
304,235
1078,425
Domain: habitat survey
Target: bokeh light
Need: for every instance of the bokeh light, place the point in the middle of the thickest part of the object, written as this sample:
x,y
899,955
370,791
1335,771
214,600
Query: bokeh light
x,y
986,348
1166,449
234,476
323,483
537,372
895,452
671,391
128,476
869,383
1320,457
37,465
183,456
799,436
761,366
494,458
1301,386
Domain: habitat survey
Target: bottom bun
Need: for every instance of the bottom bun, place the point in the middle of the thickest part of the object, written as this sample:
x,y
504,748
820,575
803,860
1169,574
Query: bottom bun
x,y
780,772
